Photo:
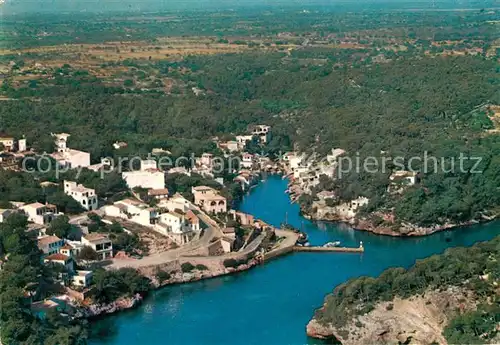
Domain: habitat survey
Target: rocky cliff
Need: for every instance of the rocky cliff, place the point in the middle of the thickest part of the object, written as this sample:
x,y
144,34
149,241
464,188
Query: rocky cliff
x,y
109,308
416,320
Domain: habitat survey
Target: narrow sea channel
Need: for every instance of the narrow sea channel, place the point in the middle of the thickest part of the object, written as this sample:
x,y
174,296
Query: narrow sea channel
x,y
271,304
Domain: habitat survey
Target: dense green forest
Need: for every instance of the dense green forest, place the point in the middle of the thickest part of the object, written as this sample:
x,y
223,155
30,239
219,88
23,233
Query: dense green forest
x,y
403,108
461,267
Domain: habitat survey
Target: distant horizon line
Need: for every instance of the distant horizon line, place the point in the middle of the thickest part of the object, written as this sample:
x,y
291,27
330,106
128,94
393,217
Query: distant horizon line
x,y
9,8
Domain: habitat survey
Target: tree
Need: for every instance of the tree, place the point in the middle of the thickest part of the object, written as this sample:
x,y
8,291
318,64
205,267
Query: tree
x,y
87,253
187,267
59,227
65,203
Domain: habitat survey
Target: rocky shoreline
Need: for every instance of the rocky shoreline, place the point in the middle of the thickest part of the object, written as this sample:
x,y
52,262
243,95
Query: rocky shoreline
x,y
100,309
417,320
125,303
405,230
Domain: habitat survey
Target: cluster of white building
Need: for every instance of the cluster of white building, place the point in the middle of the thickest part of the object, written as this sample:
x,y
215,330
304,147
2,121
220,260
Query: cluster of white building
x,y
174,217
306,170
259,133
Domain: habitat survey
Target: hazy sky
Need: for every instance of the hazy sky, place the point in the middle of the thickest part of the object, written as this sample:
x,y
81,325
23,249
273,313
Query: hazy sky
x,y
17,6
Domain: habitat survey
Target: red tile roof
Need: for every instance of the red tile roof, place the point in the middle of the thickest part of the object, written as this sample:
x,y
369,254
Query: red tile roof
x,y
57,257
47,240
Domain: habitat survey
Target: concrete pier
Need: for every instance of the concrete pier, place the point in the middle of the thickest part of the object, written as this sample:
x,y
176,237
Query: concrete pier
x,y
329,249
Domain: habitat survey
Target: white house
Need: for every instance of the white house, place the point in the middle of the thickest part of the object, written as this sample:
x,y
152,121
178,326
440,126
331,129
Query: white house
x,y
231,146
21,145
158,194
193,220
149,179
61,259
348,210
263,132
176,221
82,278
407,177
85,196
69,157
100,243
242,141
178,226
39,213
148,164
247,160
132,210
119,145
176,202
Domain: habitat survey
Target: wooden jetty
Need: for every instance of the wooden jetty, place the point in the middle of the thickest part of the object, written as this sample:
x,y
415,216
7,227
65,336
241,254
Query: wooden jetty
x,y
360,249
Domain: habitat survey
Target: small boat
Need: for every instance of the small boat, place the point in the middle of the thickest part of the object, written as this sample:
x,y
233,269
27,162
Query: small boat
x,y
302,240
332,244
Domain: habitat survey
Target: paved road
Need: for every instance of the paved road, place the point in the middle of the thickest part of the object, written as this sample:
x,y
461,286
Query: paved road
x,y
160,258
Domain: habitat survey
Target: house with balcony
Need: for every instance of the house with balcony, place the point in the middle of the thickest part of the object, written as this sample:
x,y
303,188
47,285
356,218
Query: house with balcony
x,y
85,196
263,132
248,161
100,243
209,199
40,213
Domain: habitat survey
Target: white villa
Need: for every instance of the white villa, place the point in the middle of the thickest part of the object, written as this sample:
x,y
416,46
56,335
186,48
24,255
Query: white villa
x,y
348,210
69,157
407,177
179,226
85,196
148,177
133,210
242,141
82,278
263,132
39,213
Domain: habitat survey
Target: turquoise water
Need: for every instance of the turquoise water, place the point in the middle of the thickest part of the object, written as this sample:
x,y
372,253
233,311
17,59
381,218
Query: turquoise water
x,y
271,304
